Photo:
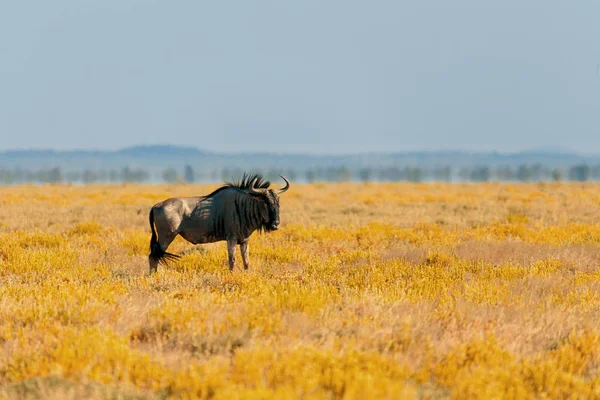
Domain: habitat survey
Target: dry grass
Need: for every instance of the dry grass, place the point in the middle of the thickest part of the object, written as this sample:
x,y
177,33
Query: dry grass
x,y
367,291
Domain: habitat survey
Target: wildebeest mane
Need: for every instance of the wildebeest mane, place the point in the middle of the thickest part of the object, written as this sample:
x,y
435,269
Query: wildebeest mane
x,y
246,181
244,184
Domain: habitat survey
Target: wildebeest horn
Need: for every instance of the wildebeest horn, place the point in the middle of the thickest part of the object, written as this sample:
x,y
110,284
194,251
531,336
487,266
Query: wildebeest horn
x,y
256,190
287,184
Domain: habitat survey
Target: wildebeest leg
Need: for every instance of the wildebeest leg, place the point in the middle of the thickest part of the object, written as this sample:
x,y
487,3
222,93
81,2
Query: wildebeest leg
x,y
231,252
153,265
244,251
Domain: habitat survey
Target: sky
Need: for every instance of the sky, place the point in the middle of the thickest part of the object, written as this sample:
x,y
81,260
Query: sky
x,y
301,77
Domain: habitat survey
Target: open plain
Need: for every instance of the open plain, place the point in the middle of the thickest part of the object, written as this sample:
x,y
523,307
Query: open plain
x,y
367,291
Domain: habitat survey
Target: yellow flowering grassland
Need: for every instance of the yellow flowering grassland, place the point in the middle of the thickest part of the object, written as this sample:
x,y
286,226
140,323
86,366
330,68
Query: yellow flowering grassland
x,y
367,291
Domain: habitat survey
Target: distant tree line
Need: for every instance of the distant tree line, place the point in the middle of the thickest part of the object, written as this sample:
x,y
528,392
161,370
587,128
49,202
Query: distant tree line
x,y
87,176
342,173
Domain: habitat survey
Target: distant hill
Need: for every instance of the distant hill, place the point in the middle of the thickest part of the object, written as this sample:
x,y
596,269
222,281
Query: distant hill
x,y
163,156
161,151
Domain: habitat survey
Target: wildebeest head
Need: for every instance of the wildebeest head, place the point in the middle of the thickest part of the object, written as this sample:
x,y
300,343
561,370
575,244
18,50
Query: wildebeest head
x,y
271,199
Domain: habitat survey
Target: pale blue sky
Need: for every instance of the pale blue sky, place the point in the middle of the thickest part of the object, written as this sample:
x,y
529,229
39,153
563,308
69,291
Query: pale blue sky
x,y
304,76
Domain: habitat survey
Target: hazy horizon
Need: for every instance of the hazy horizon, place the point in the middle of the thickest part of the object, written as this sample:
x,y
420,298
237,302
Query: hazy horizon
x,y
300,78
548,150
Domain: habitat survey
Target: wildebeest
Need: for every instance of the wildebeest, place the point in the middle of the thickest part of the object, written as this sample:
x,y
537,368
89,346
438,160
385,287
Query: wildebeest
x,y
232,212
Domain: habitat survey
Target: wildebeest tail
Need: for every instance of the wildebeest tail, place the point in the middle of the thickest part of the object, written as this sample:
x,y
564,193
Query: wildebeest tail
x,y
156,252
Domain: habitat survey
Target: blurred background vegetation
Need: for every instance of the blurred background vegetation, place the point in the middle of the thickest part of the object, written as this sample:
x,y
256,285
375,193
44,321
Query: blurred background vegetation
x,y
170,164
